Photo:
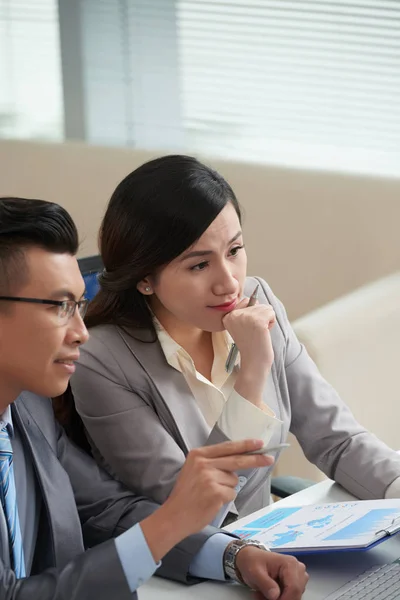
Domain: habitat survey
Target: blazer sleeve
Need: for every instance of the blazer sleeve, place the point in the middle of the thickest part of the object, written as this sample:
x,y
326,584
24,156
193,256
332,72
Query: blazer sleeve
x,y
107,508
127,435
95,574
326,429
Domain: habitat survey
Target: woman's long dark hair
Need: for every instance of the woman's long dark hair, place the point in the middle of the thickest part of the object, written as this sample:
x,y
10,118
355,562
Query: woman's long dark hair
x,y
156,213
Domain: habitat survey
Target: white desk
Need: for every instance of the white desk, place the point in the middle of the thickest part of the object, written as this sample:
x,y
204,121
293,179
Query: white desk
x,y
327,572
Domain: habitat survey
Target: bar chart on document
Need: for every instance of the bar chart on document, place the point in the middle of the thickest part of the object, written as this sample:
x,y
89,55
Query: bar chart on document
x,y
319,527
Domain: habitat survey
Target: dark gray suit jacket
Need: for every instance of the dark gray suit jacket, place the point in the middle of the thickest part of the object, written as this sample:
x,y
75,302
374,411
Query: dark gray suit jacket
x,y
82,507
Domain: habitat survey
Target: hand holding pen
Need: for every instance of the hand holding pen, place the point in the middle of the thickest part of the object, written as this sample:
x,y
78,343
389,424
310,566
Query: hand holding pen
x,y
249,325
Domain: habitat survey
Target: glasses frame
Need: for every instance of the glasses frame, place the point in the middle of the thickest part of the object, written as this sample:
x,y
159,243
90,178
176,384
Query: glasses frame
x,y
68,305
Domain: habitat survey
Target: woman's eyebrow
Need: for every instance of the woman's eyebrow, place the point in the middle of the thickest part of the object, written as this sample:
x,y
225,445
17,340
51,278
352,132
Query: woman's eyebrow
x,y
197,253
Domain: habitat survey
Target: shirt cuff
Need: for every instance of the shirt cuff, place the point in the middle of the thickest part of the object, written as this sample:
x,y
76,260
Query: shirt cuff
x,y
209,561
393,491
135,556
240,419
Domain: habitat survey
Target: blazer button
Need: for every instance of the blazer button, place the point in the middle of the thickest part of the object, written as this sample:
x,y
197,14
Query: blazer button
x,y
241,483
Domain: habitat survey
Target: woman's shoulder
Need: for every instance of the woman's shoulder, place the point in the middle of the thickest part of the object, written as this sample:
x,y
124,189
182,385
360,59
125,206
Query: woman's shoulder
x,y
267,296
101,336
265,290
105,353
115,354
112,341
100,332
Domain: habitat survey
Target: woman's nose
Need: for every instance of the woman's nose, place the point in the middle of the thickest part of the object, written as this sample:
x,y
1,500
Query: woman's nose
x,y
226,284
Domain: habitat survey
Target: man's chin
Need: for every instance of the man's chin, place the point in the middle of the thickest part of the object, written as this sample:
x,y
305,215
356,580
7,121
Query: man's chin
x,y
52,390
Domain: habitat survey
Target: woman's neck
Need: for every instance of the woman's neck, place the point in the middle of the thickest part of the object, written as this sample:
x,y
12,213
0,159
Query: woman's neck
x,y
197,343
200,349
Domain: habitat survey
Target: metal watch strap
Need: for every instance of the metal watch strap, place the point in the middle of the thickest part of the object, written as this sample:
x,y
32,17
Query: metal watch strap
x,y
231,553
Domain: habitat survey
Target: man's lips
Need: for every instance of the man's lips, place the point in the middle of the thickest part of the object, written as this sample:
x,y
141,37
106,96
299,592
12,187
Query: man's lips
x,y
68,363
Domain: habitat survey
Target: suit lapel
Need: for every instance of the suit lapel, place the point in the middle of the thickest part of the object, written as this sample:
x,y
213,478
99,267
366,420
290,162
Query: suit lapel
x,y
271,394
57,494
174,401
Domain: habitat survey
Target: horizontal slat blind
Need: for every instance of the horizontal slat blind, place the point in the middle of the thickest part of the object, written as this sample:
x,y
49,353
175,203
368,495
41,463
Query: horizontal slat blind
x,y
30,72
314,83
131,73
306,83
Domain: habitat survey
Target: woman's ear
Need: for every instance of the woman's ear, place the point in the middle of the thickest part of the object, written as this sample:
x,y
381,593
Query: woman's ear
x,y
144,287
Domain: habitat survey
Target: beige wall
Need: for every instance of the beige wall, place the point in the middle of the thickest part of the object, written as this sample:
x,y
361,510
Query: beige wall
x,y
312,235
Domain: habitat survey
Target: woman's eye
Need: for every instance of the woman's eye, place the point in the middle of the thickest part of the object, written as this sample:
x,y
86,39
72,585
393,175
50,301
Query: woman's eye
x,y
199,267
235,250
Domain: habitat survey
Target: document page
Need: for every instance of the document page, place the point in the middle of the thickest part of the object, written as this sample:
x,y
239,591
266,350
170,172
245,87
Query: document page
x,y
355,524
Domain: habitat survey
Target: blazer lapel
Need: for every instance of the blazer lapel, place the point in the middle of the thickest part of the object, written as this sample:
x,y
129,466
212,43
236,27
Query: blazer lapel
x,y
271,394
4,544
174,402
57,495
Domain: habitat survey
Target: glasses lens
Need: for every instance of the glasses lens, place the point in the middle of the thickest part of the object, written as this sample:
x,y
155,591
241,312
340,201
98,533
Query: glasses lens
x,y
65,310
82,307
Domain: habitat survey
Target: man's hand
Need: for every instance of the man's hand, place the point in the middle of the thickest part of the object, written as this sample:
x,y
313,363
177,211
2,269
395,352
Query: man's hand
x,y
205,483
273,576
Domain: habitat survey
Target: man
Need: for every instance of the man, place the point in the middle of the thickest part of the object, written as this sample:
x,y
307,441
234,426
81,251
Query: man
x,y
55,501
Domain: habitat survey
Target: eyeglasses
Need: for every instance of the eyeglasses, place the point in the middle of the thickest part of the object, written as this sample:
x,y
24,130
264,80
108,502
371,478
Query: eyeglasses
x,y
66,308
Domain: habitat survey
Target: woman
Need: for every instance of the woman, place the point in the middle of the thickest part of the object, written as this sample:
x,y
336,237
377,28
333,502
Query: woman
x,y
151,383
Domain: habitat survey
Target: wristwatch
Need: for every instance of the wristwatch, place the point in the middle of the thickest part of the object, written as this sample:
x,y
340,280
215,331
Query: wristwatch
x,y
230,554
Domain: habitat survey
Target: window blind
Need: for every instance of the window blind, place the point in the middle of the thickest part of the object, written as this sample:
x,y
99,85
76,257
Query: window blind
x,y
302,83
30,72
131,73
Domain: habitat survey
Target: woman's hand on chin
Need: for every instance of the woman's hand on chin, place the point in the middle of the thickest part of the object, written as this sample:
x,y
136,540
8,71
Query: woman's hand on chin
x,y
250,327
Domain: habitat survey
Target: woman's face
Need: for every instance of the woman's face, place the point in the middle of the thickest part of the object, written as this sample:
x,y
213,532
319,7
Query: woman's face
x,y
206,281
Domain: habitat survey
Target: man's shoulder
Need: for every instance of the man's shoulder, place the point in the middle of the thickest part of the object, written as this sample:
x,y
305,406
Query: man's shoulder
x,y
37,410
35,404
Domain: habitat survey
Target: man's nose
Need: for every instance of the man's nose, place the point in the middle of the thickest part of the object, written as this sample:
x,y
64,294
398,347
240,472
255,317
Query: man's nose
x,y
78,334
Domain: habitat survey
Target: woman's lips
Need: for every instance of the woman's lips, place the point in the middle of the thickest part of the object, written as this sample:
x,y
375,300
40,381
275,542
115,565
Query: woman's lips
x,y
227,307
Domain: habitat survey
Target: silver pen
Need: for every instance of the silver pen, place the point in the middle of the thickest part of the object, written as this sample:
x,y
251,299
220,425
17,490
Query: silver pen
x,y
233,352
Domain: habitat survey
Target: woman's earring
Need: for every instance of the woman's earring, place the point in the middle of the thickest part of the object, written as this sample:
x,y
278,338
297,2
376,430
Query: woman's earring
x,y
147,288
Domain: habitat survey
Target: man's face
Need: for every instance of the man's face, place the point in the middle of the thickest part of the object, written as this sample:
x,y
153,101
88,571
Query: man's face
x,y
37,348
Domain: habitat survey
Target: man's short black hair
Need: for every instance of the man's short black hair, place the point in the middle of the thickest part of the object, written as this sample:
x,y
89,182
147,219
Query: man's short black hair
x,y
26,223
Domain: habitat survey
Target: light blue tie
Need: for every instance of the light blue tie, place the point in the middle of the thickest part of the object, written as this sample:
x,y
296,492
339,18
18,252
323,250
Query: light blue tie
x,y
8,499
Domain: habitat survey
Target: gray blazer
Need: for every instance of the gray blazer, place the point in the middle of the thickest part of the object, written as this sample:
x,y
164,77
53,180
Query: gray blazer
x,y
82,507
142,418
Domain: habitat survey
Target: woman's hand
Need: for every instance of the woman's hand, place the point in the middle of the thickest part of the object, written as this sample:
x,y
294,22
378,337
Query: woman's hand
x,y
250,327
206,482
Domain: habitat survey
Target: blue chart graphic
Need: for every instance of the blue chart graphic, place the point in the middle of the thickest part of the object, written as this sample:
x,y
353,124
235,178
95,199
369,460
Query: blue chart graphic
x,y
370,522
247,533
315,523
286,537
272,518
